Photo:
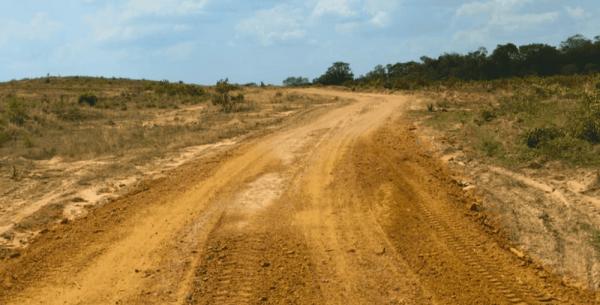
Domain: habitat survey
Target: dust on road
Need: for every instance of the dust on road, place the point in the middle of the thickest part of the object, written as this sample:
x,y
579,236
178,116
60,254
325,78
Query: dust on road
x,y
341,208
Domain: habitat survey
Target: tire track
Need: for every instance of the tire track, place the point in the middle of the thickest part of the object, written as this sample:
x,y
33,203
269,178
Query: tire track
x,y
239,272
466,252
232,271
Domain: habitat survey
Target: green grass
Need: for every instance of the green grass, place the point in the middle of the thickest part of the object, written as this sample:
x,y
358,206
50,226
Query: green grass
x,y
518,121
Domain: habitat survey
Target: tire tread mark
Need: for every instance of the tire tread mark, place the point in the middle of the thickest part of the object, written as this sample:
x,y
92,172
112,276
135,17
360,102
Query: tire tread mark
x,y
234,283
448,230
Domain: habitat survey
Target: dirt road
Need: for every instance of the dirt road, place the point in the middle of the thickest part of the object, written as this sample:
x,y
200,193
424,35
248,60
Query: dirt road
x,y
344,207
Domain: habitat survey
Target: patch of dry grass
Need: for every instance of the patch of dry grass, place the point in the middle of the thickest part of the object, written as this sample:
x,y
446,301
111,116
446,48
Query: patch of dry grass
x,y
81,118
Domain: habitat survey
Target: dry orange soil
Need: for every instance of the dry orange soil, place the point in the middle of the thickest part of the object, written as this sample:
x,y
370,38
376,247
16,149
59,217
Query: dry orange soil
x,y
345,207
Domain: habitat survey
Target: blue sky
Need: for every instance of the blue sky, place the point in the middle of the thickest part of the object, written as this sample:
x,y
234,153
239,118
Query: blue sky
x,y
202,41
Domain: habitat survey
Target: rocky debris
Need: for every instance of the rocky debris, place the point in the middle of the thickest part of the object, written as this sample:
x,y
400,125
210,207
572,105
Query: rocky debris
x,y
517,253
380,250
265,264
475,207
147,273
469,188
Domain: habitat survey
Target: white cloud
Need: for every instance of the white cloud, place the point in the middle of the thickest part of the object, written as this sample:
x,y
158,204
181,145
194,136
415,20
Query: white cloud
x,y
491,17
522,21
119,23
179,51
380,11
341,8
283,23
136,8
278,24
489,6
39,28
576,12
365,12
347,27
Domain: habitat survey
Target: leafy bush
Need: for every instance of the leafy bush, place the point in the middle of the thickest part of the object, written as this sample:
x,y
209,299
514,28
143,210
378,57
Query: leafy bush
x,y
16,111
223,98
569,69
588,129
488,115
571,149
166,88
89,99
585,123
539,136
68,111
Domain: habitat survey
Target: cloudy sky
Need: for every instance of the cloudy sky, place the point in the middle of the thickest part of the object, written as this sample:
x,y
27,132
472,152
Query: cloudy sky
x,y
202,41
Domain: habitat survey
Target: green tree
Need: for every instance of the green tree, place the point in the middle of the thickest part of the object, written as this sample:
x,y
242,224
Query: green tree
x,y
338,74
504,60
577,54
540,59
296,81
575,42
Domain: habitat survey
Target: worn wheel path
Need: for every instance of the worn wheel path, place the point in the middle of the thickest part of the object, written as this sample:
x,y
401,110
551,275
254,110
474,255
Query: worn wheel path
x,y
342,207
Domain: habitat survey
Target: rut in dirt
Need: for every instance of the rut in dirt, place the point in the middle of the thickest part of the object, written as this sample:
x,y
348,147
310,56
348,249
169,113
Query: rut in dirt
x,y
346,207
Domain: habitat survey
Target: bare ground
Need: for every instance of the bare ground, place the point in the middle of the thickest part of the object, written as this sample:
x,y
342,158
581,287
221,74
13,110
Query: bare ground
x,y
345,207
548,210
35,193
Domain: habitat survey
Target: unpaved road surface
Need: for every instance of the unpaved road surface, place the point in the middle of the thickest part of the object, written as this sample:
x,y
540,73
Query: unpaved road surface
x,y
343,207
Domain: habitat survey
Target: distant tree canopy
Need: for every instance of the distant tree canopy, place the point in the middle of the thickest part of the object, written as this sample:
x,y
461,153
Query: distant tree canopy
x,y
296,81
576,55
338,74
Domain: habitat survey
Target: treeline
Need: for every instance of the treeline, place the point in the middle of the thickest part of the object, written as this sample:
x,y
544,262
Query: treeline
x,y
576,55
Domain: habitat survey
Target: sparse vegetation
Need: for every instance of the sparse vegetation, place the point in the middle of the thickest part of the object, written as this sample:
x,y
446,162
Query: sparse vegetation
x,y
533,119
78,118
16,112
88,99
538,137
223,97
